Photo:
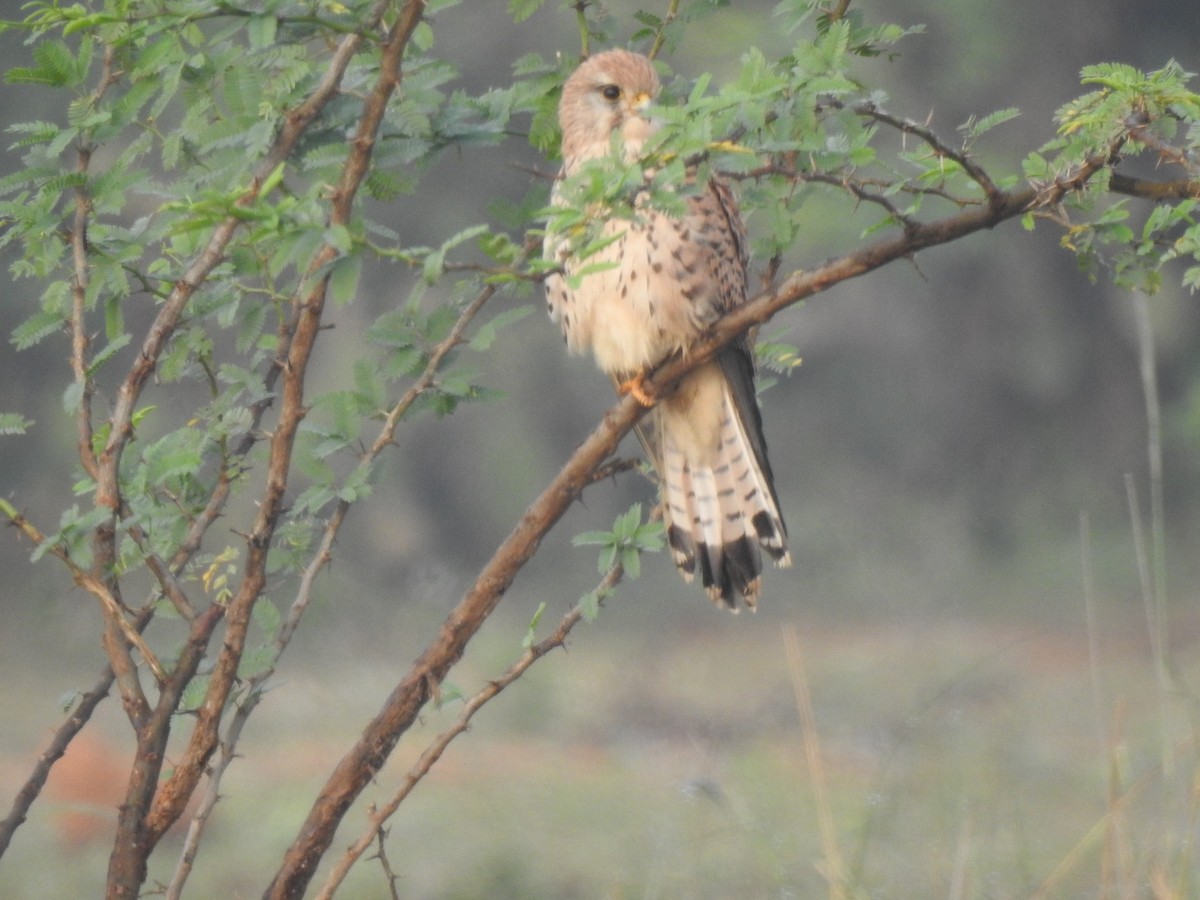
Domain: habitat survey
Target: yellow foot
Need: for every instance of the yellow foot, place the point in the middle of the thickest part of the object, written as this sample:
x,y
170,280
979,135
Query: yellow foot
x,y
637,387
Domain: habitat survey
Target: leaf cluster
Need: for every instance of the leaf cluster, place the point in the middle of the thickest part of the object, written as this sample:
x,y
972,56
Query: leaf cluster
x,y
1131,118
623,546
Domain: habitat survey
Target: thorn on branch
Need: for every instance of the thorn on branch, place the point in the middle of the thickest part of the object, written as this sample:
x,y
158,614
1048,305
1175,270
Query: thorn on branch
x,y
1049,194
613,469
1138,126
377,817
869,109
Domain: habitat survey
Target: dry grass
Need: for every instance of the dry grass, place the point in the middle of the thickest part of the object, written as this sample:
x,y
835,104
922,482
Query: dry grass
x,y
954,760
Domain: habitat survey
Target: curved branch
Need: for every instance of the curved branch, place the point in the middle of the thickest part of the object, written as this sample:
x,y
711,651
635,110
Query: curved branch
x,y
320,558
174,793
976,172
400,710
58,746
379,816
149,809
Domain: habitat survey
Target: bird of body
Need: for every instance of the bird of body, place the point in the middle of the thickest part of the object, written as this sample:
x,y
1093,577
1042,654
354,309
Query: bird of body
x,y
668,278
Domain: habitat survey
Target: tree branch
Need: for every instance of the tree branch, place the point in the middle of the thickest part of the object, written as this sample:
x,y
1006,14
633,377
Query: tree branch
x,y
377,817
63,736
320,558
400,710
140,824
660,33
941,149
1138,125
1158,191
368,755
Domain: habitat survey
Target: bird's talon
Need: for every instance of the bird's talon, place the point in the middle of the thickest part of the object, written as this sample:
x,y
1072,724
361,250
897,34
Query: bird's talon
x,y
637,387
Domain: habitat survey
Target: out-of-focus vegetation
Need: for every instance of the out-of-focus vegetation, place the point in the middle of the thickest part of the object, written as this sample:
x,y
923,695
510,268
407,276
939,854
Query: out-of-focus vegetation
x,y
958,756
951,421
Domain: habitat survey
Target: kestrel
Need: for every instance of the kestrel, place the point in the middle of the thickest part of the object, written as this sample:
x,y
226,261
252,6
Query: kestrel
x,y
666,280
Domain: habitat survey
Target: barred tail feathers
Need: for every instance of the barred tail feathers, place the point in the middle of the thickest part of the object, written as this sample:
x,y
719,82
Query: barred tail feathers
x,y
718,498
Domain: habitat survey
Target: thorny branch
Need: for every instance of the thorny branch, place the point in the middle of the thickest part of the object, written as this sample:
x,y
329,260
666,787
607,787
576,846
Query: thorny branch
x,y
660,34
1158,191
255,686
940,149
308,311
142,824
867,189
419,685
378,816
1139,130
385,864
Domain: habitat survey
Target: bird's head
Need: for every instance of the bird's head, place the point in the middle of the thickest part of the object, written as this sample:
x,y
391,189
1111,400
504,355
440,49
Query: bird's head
x,y
609,92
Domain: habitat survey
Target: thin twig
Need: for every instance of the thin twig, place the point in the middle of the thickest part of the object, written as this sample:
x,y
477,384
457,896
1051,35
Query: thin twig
x,y
400,710
299,605
860,187
432,753
614,468
385,864
660,34
63,735
939,147
308,305
81,275
585,30
1139,130
871,110
93,585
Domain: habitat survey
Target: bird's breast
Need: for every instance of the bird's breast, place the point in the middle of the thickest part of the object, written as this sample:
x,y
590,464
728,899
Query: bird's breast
x,y
637,302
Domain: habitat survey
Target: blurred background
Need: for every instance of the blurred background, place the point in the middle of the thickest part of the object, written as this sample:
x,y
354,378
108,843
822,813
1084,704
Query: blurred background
x,y
953,422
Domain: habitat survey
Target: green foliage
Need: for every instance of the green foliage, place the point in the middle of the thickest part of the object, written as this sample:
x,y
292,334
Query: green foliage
x,y
185,105
623,546
520,10
777,356
1133,113
783,129
12,423
531,633
179,230
187,115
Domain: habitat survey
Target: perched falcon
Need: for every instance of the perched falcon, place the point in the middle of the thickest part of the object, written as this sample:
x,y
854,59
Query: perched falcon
x,y
671,278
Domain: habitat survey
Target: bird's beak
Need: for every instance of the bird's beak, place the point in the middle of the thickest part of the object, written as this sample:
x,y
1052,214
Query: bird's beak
x,y
640,101
638,125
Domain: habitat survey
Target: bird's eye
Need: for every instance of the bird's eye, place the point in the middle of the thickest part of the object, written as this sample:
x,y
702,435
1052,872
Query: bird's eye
x,y
610,92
